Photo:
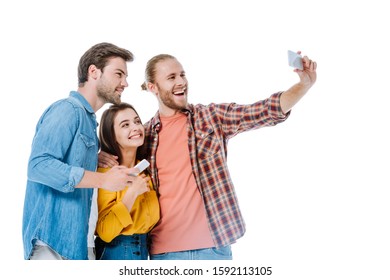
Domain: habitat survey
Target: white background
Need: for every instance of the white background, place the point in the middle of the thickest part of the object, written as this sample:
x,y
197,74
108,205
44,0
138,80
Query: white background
x,y
313,190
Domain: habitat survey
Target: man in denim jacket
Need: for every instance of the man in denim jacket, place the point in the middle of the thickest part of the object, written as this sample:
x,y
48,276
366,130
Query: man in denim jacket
x,y
63,160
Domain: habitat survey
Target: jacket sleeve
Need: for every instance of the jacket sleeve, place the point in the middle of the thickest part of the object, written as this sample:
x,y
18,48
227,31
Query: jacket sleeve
x,y
55,133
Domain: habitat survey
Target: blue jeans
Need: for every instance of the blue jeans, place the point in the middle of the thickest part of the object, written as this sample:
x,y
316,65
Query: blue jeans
x,y
223,253
123,247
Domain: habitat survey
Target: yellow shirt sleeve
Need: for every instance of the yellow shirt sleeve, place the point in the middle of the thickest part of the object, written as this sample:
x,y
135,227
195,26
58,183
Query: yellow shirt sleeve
x,y
113,215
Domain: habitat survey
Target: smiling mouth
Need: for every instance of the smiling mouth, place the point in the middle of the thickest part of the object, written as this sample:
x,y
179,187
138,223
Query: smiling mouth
x,y
135,136
180,92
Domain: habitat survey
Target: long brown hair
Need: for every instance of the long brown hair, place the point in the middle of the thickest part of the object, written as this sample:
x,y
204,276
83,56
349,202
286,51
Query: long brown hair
x,y
107,138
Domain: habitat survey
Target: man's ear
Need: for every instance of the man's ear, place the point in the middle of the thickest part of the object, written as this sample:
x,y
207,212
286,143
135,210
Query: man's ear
x,y
93,72
152,88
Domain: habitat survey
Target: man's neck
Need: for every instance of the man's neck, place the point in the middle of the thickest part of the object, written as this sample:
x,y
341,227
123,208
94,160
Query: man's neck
x,y
91,97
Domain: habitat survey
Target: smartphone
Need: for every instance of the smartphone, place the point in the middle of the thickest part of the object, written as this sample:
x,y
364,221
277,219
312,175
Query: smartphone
x,y
295,60
142,165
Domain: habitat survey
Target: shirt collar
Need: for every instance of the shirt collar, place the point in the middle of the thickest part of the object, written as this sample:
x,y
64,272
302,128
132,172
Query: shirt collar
x,y
83,101
156,122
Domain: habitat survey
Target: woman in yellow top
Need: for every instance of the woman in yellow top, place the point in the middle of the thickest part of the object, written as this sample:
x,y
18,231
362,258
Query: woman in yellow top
x,y
125,217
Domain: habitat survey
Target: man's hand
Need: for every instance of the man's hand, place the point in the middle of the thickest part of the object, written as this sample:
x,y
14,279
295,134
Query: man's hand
x,y
107,160
117,178
308,75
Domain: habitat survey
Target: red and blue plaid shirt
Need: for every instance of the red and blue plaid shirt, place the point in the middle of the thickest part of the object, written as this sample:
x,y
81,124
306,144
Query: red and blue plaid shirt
x,y
209,129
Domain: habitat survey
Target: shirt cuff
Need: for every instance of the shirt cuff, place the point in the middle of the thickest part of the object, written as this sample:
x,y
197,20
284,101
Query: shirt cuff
x,y
275,109
75,176
122,213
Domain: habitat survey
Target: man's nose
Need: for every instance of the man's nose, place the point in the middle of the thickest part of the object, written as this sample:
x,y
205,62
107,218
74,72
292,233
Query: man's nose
x,y
124,82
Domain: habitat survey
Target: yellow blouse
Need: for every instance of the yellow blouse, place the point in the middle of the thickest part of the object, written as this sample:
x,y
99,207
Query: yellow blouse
x,y
114,219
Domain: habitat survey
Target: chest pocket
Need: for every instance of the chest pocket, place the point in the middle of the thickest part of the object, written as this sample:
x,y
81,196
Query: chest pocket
x,y
207,142
88,149
88,141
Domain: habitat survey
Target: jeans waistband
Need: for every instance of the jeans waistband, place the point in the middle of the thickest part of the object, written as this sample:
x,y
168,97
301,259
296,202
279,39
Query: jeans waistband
x,y
127,239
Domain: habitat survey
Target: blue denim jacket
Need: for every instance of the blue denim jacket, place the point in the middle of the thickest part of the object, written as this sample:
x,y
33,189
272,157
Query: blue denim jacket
x,y
65,144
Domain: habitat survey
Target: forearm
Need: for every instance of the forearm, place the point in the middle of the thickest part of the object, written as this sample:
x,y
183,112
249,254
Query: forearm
x,y
91,180
291,96
115,179
308,77
54,173
129,199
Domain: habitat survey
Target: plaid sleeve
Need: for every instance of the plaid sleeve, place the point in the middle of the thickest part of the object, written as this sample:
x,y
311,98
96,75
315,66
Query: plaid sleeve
x,y
237,118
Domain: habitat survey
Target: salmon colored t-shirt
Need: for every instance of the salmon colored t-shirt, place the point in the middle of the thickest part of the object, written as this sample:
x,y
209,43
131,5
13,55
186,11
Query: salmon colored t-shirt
x,y
183,223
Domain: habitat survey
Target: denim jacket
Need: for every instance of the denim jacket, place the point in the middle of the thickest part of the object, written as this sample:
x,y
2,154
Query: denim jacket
x,y
65,144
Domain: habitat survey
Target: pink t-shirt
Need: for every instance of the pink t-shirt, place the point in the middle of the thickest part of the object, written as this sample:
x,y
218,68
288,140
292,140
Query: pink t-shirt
x,y
183,224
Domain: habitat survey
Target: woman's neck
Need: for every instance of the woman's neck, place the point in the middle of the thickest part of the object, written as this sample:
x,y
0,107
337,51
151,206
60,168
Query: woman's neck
x,y
128,158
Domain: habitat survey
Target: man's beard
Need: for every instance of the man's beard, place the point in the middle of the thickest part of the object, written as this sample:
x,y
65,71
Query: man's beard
x,y
107,95
167,99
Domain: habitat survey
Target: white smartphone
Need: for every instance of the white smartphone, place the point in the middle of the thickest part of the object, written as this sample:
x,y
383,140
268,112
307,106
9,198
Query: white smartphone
x,y
295,60
142,165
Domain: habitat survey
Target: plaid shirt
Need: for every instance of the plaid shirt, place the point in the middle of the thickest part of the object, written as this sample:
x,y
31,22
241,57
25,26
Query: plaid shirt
x,y
209,129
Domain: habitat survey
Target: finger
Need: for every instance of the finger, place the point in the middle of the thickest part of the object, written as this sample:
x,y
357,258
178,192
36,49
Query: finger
x,y
112,162
107,156
130,178
311,68
102,165
133,171
107,163
310,65
306,61
314,66
120,167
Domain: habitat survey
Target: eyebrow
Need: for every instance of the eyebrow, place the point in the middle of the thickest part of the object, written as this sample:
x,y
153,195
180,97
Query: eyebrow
x,y
123,72
127,120
174,74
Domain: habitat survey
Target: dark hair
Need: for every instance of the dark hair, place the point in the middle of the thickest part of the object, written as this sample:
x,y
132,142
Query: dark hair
x,y
150,70
107,138
98,55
